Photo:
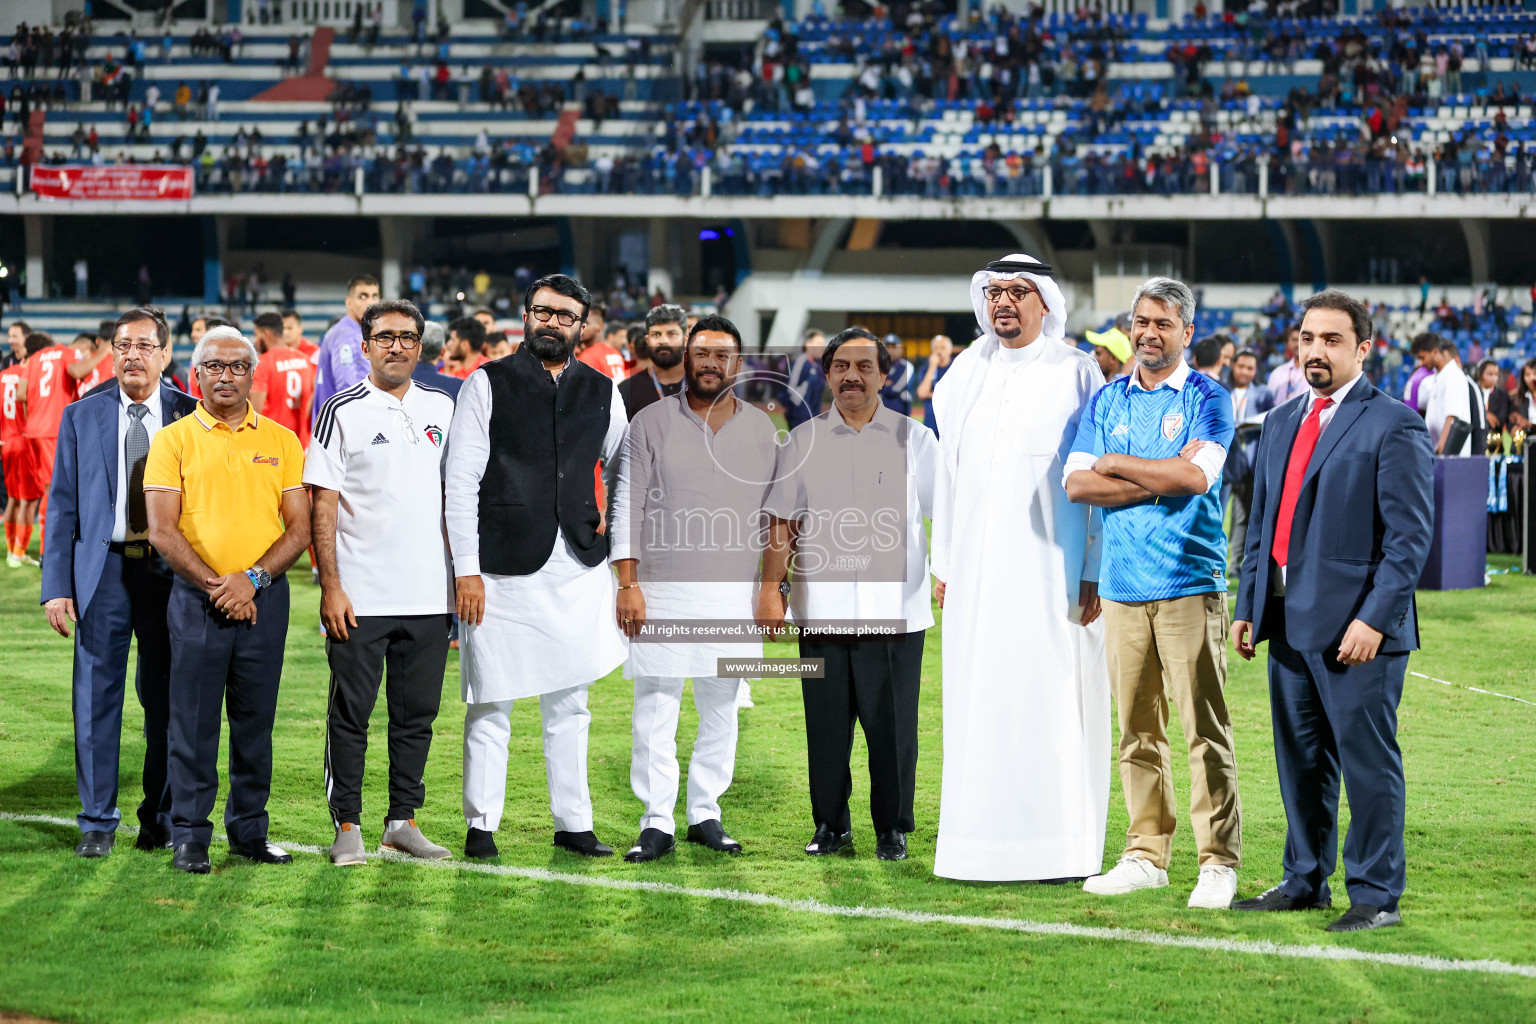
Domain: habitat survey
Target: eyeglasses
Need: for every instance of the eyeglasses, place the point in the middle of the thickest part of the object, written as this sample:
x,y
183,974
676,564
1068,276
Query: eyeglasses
x,y
143,349
216,369
406,342
543,314
1018,293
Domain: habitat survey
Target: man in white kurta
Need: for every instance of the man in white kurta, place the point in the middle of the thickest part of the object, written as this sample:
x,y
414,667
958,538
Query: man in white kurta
x,y
1026,689
546,633
686,542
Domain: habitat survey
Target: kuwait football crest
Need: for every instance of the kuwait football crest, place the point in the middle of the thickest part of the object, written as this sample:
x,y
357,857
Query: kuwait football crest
x,y
1171,425
435,435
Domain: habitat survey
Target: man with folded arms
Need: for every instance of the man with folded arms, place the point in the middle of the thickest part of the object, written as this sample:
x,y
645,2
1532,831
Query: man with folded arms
x,y
228,512
375,469
686,544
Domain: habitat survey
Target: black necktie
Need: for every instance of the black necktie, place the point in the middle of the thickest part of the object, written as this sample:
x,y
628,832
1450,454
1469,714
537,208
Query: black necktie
x,y
136,450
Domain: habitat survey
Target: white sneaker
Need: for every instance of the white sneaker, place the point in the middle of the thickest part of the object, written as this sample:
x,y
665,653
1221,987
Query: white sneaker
x,y
29,560
13,560
1133,872
744,695
1216,889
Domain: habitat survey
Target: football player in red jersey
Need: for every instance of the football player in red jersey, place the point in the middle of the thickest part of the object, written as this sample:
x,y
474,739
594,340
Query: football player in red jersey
x,y
601,357
95,363
284,386
20,479
293,335
50,387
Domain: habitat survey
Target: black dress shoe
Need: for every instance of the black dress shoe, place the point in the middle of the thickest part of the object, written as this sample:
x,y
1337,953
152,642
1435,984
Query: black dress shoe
x,y
712,834
1276,899
891,845
152,837
826,841
261,852
584,843
1361,917
480,845
95,844
191,858
653,843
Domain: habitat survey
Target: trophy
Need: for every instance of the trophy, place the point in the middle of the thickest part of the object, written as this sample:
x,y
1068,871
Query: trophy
x,y
1517,441
1495,445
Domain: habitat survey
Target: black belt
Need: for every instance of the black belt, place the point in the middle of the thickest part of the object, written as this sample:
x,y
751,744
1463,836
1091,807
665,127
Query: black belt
x,y
131,548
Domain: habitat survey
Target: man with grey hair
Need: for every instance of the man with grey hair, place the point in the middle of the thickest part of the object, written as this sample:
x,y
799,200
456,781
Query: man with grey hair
x,y
226,508
1150,452
433,337
1026,694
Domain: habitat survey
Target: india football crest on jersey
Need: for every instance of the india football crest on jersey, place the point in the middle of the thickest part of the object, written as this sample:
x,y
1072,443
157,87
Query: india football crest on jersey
x,y
1173,422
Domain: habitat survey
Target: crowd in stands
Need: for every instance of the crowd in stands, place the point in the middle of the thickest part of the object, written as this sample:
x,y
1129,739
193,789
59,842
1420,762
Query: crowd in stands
x,y
1000,104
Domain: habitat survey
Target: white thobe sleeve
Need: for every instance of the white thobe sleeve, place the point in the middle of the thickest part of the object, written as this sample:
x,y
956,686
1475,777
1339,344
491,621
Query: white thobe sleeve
x,y
469,449
943,498
632,485
1090,380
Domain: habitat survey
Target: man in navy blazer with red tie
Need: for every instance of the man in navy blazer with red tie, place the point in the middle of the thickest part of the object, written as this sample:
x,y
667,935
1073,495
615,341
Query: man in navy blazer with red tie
x,y
1343,510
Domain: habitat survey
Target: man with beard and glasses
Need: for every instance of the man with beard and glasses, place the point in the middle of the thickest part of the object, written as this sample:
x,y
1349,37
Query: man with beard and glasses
x,y
376,474
1025,793
534,594
687,538
850,491
103,575
1150,453
665,327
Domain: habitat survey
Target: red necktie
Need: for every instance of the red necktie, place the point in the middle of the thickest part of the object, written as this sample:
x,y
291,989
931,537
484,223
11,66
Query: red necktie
x,y
1295,470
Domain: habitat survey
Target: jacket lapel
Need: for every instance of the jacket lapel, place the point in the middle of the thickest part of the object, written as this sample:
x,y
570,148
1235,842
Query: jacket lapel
x,y
1280,454
168,402
1349,411
106,432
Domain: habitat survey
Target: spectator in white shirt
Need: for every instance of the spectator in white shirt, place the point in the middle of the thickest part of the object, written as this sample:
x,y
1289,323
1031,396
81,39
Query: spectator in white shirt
x,y
1451,397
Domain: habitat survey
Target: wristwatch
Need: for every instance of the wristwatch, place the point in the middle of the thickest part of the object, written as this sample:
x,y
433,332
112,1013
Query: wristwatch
x,y
784,589
259,577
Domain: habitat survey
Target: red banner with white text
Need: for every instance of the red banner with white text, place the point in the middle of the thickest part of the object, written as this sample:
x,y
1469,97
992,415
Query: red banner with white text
x,y
122,181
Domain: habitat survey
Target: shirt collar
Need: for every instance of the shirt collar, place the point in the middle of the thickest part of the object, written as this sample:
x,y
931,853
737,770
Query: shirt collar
x,y
205,418
681,398
1174,380
880,421
151,403
1338,396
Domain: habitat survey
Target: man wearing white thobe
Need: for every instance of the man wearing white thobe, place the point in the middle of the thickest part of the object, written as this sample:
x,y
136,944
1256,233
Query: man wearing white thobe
x,y
534,594
1025,792
687,539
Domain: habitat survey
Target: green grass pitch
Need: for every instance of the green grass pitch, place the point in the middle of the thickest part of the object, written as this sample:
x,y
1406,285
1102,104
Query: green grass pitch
x,y
129,939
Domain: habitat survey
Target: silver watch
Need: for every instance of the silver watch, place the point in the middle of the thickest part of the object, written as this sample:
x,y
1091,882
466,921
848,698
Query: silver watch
x,y
260,578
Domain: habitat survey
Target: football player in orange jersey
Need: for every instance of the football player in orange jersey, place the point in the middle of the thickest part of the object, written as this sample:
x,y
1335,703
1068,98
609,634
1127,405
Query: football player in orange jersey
x,y
600,356
95,363
21,493
465,351
50,387
293,335
284,386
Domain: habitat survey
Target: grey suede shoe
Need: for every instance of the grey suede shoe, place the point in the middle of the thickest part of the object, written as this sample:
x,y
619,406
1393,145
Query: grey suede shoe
x,y
347,850
407,839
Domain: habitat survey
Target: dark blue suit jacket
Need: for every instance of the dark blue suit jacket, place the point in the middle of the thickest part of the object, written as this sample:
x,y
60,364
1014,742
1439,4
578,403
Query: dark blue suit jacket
x,y
1362,526
426,374
82,503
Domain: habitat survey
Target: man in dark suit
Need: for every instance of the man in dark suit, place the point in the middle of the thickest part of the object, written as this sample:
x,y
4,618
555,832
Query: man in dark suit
x,y
1343,500
102,575
1250,400
433,335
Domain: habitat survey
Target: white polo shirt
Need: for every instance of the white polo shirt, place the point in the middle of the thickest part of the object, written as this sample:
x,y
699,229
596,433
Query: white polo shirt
x,y
1450,395
384,456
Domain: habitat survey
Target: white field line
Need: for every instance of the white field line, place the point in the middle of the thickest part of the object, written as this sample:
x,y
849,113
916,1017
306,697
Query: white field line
x,y
1048,928
1474,689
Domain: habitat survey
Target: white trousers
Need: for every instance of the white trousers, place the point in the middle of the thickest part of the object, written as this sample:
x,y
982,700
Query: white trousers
x,y
488,727
653,770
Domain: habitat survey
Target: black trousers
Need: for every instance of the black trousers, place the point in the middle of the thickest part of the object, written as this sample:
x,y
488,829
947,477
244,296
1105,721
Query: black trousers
x,y
413,651
216,662
876,683
130,601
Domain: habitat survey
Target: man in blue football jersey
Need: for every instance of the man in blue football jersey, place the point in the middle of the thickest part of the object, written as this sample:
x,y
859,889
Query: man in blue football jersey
x,y
1150,451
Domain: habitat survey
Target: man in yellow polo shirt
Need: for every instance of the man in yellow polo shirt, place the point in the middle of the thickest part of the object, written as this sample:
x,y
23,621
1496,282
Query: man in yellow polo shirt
x,y
228,512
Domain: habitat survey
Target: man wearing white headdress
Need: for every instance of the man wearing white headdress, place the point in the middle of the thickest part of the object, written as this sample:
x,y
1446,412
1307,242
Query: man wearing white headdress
x,y
1026,689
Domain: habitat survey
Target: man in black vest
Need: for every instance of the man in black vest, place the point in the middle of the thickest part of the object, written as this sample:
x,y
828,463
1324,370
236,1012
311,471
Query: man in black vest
x,y
529,545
